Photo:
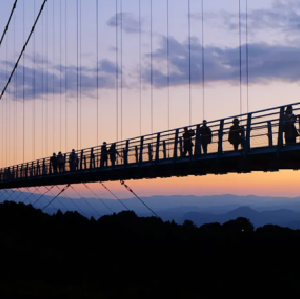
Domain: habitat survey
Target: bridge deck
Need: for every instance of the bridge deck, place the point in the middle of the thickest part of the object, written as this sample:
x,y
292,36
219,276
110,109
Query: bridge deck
x,y
160,155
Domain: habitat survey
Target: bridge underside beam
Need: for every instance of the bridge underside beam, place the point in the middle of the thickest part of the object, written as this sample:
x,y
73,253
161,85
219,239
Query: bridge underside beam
x,y
212,164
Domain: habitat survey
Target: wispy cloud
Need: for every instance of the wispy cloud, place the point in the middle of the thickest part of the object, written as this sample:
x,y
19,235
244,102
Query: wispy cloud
x,y
267,63
130,24
38,81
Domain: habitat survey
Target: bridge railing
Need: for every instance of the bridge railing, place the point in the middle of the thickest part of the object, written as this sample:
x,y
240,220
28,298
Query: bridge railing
x,y
261,129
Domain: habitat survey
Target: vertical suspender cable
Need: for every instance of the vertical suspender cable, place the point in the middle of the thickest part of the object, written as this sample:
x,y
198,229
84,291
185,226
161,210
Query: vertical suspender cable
x,y
80,58
60,70
140,58
47,80
53,90
77,13
7,101
203,70
168,67
117,76
189,46
33,103
8,98
15,99
97,68
23,83
151,12
66,78
121,67
42,94
240,54
247,57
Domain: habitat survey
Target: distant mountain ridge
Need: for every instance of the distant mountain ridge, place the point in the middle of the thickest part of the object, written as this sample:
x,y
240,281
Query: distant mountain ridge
x,y
178,207
283,217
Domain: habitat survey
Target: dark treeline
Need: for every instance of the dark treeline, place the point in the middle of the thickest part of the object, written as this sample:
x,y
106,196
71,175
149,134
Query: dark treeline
x,y
124,256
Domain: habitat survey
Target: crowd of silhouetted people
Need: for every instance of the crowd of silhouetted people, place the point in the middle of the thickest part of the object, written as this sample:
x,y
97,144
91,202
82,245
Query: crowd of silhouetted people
x,y
202,136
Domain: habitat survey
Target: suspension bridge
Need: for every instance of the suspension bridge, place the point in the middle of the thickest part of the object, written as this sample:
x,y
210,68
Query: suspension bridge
x,y
151,155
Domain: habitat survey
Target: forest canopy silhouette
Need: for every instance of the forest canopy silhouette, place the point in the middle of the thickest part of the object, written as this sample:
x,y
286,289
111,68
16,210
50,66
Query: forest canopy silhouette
x,y
126,256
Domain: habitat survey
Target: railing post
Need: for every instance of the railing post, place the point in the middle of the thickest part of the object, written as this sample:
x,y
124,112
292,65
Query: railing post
x,y
21,171
198,142
84,161
31,173
150,152
137,154
180,146
164,149
17,172
220,144
44,167
125,153
176,144
65,161
157,147
141,149
248,133
280,129
81,155
270,133
92,158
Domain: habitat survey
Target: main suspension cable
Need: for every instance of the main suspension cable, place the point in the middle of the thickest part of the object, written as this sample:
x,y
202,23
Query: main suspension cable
x,y
8,22
114,196
98,197
130,190
23,49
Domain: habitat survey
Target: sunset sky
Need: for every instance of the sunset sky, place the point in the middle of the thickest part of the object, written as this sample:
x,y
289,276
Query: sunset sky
x,y
50,78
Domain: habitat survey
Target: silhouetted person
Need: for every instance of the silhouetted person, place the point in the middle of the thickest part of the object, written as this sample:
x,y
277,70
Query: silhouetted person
x,y
73,160
103,161
113,154
235,136
205,135
60,161
290,131
187,142
53,162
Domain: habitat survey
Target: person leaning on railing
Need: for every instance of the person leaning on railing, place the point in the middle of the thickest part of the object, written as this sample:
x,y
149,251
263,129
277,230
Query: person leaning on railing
x,y
236,134
289,128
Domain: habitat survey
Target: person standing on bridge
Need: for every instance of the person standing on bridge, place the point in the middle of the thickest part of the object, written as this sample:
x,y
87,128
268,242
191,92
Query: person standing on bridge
x,y
187,142
103,159
236,133
60,162
73,160
289,129
53,163
205,136
113,154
